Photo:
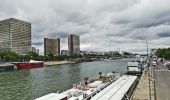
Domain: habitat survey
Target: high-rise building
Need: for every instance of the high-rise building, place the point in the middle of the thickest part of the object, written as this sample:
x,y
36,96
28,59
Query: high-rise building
x,y
51,46
74,44
15,35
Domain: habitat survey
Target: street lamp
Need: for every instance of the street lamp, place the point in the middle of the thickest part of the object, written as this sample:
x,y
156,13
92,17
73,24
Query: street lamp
x,y
148,65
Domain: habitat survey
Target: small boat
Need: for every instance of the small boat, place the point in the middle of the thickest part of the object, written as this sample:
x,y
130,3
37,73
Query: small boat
x,y
27,65
6,67
134,68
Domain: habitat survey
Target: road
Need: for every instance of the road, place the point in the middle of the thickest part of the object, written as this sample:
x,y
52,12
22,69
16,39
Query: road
x,y
162,82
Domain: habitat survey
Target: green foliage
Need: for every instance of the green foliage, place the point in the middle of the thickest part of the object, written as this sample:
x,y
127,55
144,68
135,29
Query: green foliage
x,y
104,78
100,73
32,54
127,53
86,79
163,53
8,56
74,56
113,72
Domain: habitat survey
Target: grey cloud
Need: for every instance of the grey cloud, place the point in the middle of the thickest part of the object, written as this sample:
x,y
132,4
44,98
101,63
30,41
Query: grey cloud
x,y
37,43
164,34
58,35
100,24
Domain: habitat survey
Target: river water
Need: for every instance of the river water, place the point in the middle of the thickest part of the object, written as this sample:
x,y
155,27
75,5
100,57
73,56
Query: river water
x,y
28,84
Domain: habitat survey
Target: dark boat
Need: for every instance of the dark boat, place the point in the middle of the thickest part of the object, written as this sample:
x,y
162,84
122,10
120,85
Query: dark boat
x,y
6,67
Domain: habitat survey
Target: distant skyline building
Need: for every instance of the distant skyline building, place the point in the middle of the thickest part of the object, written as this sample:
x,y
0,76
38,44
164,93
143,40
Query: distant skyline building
x,y
52,46
33,49
64,52
74,44
15,36
37,51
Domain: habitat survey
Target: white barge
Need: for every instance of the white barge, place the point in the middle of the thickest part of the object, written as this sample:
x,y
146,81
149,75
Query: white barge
x,y
82,91
118,88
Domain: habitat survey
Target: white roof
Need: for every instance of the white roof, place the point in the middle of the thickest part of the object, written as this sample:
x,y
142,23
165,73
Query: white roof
x,y
116,90
33,61
132,63
133,69
52,96
95,83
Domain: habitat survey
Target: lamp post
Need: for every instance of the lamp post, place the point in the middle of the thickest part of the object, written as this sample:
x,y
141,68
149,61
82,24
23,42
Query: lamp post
x,y
148,65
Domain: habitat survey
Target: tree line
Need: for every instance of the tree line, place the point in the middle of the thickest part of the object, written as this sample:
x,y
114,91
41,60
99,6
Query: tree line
x,y
163,53
8,56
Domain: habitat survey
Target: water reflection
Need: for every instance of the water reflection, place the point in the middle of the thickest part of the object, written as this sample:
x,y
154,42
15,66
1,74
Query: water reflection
x,y
74,73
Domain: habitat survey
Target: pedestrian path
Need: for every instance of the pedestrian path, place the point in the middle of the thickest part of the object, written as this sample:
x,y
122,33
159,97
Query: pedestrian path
x,y
141,92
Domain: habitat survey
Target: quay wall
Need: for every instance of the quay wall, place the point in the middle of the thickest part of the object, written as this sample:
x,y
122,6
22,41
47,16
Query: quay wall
x,y
50,63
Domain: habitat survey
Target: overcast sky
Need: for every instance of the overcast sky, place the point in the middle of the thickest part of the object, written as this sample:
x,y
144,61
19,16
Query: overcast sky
x,y
103,25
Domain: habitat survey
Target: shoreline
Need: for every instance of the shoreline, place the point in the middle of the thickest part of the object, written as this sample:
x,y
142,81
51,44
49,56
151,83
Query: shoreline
x,y
51,63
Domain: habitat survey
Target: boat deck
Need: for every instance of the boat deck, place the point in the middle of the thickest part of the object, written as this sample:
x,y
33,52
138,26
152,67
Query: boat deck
x,y
117,90
81,91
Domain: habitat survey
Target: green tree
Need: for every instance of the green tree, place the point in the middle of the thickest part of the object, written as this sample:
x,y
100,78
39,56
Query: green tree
x,y
8,56
100,74
113,72
165,52
86,79
104,78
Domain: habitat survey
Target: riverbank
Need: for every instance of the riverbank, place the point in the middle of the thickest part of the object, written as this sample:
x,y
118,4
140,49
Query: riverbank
x,y
51,63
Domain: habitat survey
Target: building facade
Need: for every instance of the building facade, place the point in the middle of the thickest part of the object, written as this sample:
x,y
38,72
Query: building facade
x,y
74,44
15,36
51,46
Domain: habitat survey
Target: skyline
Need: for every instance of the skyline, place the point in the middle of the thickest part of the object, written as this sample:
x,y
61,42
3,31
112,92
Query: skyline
x,y
102,26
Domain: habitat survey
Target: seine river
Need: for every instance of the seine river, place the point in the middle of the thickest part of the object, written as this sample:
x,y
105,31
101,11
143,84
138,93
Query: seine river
x,y
28,84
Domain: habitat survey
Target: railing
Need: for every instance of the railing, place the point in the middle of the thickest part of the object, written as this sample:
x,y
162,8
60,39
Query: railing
x,y
100,89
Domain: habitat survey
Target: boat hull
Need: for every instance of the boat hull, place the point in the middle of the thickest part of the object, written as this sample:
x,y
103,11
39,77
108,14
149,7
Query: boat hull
x,y
29,65
4,68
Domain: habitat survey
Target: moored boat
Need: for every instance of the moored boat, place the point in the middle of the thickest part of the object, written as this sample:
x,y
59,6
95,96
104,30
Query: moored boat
x,y
30,64
134,68
6,67
82,91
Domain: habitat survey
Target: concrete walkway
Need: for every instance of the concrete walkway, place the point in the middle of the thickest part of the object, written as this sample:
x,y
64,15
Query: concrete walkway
x,y
142,90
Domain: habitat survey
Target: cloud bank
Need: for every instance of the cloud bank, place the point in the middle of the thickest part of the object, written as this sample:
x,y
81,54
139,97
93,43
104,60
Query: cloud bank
x,y
102,25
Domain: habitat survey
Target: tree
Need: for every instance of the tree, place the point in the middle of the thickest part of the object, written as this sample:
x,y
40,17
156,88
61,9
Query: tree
x,y
163,53
167,54
104,78
127,53
8,56
86,79
100,74
113,72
